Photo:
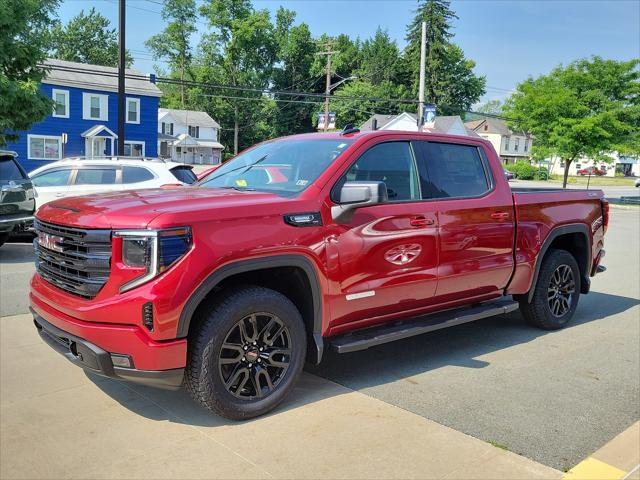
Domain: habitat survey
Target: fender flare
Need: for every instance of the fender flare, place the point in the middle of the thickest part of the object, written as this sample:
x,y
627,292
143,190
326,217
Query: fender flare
x,y
553,234
254,264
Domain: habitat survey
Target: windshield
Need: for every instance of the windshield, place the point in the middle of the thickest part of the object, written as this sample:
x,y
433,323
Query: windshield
x,y
281,166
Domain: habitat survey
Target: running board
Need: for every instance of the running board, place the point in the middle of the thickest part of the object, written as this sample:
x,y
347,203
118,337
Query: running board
x,y
370,337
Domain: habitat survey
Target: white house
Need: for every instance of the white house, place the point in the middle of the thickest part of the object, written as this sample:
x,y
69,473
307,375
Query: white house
x,y
511,146
188,136
407,122
621,164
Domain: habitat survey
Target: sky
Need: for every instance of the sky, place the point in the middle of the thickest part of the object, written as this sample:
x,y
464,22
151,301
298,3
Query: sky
x,y
509,40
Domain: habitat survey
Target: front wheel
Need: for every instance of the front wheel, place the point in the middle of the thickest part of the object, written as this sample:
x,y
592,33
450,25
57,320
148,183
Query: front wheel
x,y
3,238
556,293
247,353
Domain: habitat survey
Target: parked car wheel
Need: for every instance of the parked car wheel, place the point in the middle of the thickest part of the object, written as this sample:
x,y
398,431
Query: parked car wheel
x,y
3,238
556,293
247,353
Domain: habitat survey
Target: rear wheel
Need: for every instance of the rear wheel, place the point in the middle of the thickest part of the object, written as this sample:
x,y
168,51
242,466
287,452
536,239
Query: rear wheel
x,y
246,354
556,293
3,238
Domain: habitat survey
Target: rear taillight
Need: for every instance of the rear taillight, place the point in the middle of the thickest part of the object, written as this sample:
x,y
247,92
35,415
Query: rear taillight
x,y
605,214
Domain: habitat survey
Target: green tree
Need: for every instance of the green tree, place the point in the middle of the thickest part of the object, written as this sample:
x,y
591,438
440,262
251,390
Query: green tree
x,y
491,107
23,47
379,59
173,43
296,54
87,39
589,108
357,110
450,81
240,51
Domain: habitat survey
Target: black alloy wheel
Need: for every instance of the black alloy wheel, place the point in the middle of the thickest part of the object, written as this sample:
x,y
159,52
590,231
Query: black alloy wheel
x,y
255,355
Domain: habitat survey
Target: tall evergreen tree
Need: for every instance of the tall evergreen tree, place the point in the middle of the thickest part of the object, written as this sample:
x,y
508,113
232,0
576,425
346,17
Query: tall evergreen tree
x,y
450,81
173,43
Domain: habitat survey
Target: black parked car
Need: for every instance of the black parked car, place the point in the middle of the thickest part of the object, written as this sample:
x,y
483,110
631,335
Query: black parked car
x,y
17,201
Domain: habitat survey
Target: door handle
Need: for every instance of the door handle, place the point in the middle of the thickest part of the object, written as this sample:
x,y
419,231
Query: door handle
x,y
420,222
500,215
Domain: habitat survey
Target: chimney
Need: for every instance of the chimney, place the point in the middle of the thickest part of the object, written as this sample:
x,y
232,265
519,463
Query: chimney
x,y
374,124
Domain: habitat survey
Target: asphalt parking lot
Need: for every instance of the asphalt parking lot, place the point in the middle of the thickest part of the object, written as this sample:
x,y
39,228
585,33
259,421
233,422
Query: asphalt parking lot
x,y
553,397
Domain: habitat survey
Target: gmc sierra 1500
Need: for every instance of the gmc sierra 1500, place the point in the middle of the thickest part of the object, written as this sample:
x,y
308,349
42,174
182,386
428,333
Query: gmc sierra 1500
x,y
341,240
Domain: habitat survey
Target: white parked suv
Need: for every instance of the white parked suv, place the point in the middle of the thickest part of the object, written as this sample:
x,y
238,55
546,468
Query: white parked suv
x,y
79,176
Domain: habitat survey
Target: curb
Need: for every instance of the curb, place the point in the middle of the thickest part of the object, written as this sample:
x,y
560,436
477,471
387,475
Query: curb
x,y
623,207
619,459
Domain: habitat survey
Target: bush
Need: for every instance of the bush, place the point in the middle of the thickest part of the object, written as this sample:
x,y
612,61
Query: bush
x,y
523,170
542,173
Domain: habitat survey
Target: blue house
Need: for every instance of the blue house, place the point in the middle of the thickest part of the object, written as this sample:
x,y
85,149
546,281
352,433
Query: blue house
x,y
84,121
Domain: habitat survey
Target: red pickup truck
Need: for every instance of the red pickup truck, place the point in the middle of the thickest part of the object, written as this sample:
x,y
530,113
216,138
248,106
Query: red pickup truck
x,y
342,241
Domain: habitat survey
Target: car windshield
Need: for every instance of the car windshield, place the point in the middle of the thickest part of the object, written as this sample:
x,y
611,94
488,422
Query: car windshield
x,y
281,166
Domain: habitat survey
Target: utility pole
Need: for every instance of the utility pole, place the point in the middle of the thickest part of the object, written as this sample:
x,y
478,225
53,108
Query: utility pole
x,y
327,90
121,71
423,55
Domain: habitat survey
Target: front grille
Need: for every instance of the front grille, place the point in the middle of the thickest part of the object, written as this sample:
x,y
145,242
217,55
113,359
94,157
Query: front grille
x,y
82,265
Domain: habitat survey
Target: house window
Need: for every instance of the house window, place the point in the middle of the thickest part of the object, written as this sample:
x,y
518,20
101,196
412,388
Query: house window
x,y
94,106
133,110
167,128
60,103
44,147
506,143
194,131
515,148
133,149
578,166
526,144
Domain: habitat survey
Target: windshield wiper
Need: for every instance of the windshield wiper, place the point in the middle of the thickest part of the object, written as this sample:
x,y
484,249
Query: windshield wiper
x,y
248,167
239,189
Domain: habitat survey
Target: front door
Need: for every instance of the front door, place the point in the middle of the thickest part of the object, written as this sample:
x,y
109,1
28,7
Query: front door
x,y
476,221
386,255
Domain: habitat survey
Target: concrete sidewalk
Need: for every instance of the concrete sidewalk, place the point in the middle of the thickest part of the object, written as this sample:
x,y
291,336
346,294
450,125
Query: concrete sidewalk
x,y
56,421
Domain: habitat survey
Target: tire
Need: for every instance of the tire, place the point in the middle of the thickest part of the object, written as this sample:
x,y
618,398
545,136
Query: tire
x,y
554,302
211,370
3,238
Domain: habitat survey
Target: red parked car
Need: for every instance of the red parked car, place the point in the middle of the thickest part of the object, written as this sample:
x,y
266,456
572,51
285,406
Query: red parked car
x,y
592,171
227,286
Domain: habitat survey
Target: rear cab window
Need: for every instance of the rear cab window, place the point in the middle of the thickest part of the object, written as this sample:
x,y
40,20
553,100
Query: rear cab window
x,y
454,171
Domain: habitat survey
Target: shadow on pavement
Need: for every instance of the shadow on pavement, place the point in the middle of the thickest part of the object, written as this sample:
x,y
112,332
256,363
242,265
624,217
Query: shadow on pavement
x,y
457,346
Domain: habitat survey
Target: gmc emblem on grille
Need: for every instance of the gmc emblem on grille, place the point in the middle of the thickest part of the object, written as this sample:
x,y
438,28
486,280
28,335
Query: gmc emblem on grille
x,y
50,242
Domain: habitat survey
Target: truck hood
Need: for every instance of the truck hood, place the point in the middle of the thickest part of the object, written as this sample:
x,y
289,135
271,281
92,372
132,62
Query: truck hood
x,y
137,208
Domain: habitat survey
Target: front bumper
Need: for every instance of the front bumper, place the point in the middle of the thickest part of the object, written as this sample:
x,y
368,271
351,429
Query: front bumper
x,y
8,223
93,358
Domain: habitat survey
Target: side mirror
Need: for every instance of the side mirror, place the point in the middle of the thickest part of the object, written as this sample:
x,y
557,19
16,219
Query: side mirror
x,y
355,195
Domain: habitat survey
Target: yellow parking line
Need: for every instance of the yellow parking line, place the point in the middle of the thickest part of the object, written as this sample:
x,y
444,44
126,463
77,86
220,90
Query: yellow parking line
x,y
594,469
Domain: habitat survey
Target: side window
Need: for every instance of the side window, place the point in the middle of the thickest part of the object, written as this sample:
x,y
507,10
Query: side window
x,y
454,171
96,176
391,163
136,175
55,178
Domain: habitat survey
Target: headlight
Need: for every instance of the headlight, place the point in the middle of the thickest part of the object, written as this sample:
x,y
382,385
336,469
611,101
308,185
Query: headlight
x,y
152,250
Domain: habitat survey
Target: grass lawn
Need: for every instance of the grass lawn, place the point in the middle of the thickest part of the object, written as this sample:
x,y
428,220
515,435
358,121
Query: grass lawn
x,y
599,181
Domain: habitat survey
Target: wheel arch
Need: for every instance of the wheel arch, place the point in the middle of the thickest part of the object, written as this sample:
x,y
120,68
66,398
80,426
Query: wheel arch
x,y
244,269
575,239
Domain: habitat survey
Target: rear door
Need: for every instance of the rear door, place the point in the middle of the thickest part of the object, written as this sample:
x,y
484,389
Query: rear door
x,y
16,190
386,254
475,217
89,179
